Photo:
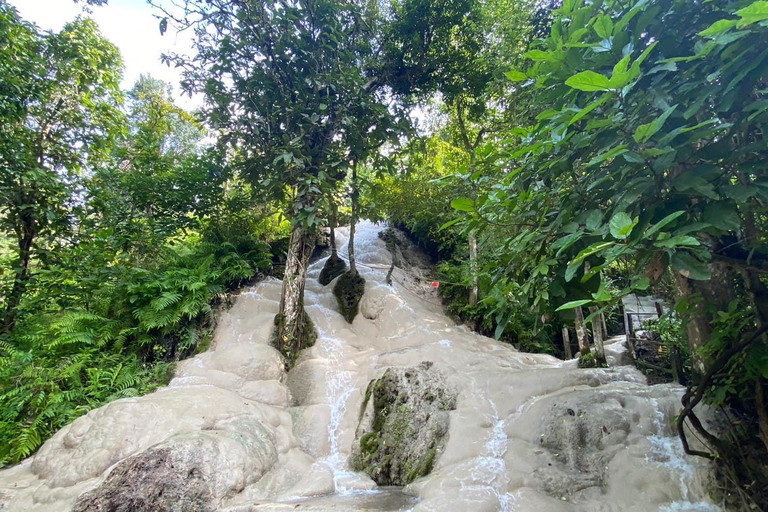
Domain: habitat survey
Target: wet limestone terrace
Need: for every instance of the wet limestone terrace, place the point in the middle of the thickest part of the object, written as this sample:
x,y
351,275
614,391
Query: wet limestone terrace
x,y
234,432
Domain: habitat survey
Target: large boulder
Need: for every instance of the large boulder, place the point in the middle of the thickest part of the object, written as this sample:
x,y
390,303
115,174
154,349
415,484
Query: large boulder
x,y
403,424
192,471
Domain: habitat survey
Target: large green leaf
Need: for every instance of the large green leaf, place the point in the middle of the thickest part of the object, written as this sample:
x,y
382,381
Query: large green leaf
x,y
588,81
755,12
621,225
604,26
463,204
718,27
516,76
663,222
573,304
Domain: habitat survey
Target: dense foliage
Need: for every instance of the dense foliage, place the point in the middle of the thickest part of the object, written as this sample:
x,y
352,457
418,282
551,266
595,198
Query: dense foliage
x,y
120,231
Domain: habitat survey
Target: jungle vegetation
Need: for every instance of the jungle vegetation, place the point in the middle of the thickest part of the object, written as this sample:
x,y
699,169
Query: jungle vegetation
x,y
551,157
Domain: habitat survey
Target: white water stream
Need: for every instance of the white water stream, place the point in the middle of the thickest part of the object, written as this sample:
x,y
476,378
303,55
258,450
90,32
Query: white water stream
x,y
530,433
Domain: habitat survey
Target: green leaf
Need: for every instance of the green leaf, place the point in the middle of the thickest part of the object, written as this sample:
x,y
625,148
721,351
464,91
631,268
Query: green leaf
x,y
723,217
589,108
718,27
687,265
588,81
677,241
754,13
646,131
663,222
573,304
449,224
463,204
620,77
594,220
539,55
621,225
516,76
604,26
618,150
592,249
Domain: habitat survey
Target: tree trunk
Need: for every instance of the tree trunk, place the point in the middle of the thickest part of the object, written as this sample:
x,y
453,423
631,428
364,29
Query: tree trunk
x,y
293,329
581,332
353,220
567,343
473,268
715,294
334,252
604,326
26,237
597,334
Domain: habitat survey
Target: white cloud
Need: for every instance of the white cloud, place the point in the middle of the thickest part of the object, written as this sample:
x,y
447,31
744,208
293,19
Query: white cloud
x,y
131,26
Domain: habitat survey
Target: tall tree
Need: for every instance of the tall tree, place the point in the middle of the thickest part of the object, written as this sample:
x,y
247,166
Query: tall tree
x,y
286,84
59,112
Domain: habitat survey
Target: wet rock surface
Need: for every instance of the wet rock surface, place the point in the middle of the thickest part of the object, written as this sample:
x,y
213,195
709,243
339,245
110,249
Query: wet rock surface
x,y
403,426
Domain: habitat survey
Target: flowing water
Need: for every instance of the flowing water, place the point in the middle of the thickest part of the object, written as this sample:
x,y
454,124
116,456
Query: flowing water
x,y
529,433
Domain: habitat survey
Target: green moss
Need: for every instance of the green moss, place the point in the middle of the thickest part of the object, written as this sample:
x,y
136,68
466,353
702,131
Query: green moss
x,y
423,468
291,344
349,290
334,267
590,361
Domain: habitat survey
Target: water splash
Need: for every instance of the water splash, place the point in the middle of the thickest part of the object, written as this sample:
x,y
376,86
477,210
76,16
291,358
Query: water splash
x,y
667,452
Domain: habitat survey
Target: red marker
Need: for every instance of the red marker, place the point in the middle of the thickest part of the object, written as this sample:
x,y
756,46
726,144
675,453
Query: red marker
x,y
435,284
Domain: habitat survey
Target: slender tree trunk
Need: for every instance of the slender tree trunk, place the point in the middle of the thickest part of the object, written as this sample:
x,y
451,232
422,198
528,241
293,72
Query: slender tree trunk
x,y
604,326
567,343
353,221
26,237
334,252
293,329
597,334
581,332
473,267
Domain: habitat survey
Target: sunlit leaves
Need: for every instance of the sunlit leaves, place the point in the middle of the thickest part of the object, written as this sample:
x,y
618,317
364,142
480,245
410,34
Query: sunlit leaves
x,y
589,81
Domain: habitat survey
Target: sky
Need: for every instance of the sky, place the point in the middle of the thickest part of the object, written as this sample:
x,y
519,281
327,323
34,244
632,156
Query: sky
x,y
130,25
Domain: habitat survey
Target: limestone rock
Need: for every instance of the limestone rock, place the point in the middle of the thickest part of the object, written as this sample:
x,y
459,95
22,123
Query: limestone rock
x,y
251,361
403,424
193,471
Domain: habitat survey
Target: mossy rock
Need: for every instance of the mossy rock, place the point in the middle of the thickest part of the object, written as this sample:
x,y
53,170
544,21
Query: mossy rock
x,y
349,290
292,345
403,425
334,267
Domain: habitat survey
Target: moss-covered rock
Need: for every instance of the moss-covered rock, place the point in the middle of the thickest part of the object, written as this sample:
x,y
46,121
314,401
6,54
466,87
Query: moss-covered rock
x,y
292,345
403,425
334,267
349,290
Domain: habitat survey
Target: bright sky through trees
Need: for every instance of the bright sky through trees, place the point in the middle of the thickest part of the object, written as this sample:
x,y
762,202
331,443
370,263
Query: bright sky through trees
x,y
130,25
